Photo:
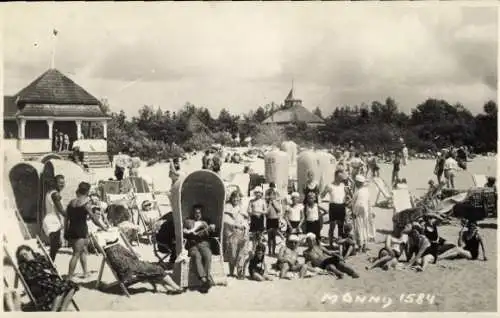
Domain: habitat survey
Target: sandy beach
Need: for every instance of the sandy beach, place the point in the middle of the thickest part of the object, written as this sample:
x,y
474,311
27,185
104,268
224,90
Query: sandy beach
x,y
457,285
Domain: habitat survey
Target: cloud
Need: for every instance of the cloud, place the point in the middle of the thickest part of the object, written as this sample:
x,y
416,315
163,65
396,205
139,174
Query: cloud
x,y
245,55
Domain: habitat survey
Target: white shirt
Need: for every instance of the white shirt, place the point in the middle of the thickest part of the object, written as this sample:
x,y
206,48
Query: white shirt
x,y
52,222
450,164
396,243
294,212
337,193
405,152
312,213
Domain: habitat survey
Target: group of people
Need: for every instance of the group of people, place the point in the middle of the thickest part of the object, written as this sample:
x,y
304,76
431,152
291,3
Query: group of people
x,y
60,141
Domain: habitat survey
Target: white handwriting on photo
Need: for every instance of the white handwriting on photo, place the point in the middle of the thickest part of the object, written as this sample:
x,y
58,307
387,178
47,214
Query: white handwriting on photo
x,y
384,301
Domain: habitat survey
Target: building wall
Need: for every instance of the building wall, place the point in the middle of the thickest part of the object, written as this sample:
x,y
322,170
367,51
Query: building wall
x,y
10,130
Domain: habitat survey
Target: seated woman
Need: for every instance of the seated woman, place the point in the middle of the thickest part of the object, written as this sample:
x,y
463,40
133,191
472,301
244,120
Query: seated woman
x,y
430,230
469,241
165,236
318,256
388,256
51,292
197,232
120,216
288,258
131,269
419,249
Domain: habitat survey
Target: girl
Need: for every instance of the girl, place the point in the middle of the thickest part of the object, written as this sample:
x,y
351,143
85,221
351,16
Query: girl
x,y
311,186
257,266
469,242
313,214
76,227
295,215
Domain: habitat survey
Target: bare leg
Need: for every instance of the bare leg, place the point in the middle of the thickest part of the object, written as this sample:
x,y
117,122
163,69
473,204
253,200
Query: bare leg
x,y
285,267
426,260
77,246
67,300
345,268
83,259
170,283
335,271
456,252
380,262
258,277
56,304
350,251
303,271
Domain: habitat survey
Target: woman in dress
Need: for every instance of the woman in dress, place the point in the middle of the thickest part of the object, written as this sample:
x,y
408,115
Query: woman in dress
x,y
130,269
50,291
236,235
76,227
361,213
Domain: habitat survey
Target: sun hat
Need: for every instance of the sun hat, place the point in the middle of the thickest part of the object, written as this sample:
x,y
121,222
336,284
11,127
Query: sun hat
x,y
295,195
360,178
293,238
146,204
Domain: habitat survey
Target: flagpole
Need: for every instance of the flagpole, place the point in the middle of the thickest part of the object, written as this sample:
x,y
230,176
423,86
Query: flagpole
x,y
54,45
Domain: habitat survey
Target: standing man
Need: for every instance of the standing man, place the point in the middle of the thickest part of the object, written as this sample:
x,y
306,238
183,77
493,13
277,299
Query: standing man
x,y
54,216
337,211
122,162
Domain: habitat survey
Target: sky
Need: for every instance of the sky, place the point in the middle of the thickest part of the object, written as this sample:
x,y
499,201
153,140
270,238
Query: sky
x,y
243,55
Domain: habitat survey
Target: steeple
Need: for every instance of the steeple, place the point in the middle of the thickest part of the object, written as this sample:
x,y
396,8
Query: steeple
x,y
290,101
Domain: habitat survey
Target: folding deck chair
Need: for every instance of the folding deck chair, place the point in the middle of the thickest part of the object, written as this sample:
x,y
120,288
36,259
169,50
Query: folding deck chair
x,y
383,190
37,245
98,238
401,200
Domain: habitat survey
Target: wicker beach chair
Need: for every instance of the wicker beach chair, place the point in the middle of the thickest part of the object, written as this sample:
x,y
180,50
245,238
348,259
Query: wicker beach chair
x,y
206,188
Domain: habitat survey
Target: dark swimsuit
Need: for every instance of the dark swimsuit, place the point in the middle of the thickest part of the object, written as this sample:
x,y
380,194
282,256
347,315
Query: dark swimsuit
x,y
77,222
471,244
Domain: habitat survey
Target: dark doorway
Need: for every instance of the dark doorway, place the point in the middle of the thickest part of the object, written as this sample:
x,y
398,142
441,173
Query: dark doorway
x,y
65,127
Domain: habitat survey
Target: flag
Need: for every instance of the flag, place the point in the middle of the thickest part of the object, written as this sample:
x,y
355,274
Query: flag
x,y
55,32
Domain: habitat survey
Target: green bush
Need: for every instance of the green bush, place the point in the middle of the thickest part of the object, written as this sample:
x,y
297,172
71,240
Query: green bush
x,y
271,135
198,141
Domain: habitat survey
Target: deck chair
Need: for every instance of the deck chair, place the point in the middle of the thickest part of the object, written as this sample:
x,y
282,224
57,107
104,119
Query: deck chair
x,y
383,190
480,180
10,253
100,239
401,200
139,184
109,187
143,217
206,188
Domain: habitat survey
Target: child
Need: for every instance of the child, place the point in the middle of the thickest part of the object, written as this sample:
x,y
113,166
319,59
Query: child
x,y
272,222
257,267
295,215
347,241
313,215
257,209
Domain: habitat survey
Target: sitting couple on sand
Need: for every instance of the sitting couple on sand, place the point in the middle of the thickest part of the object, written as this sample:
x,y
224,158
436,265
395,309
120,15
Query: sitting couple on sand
x,y
316,257
423,245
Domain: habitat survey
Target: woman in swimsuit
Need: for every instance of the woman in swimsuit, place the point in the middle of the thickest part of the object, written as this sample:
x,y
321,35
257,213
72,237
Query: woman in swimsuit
x,y
419,249
395,244
470,239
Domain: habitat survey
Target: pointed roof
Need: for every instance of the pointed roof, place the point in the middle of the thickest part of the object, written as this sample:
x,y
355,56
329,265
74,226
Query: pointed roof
x,y
53,87
195,125
290,115
290,95
9,107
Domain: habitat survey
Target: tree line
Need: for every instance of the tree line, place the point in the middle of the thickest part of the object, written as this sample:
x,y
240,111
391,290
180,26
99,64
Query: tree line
x,y
431,125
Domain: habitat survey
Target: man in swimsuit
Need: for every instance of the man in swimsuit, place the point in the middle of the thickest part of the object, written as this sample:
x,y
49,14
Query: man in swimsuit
x,y
54,217
318,256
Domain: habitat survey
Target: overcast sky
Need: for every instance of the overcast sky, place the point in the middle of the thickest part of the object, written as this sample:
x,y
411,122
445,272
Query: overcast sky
x,y
243,55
